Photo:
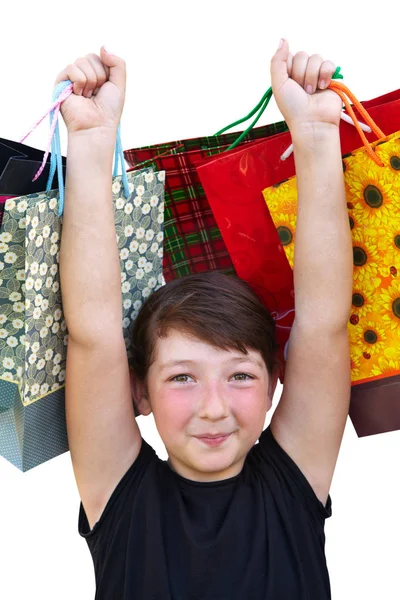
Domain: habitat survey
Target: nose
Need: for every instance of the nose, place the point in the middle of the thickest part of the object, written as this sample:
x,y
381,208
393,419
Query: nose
x,y
214,403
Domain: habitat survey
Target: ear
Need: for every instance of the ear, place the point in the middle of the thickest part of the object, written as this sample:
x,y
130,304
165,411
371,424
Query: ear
x,y
273,382
139,394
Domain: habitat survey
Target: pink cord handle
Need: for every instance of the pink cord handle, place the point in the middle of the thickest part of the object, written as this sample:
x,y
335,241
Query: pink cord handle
x,y
56,107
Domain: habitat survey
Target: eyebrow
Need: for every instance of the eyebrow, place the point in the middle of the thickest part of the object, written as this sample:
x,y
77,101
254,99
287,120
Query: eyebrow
x,y
176,363
187,362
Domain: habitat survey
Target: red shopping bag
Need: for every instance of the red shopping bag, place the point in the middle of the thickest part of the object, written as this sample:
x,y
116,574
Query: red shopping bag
x,y
233,183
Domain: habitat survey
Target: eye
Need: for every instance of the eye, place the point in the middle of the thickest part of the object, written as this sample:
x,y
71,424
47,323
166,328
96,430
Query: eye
x,y
242,377
183,378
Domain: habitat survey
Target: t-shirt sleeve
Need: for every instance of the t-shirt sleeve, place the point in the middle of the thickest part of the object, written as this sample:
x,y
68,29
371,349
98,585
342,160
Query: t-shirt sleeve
x,y
120,501
292,477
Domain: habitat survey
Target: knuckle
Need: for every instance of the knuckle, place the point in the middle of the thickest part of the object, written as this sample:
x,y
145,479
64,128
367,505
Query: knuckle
x,y
328,65
81,61
301,55
316,58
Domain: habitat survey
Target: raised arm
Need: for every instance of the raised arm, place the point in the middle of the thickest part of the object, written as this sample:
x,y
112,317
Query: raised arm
x,y
103,436
310,419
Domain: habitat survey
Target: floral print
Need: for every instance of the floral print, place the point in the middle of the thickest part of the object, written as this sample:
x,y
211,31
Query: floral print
x,y
33,331
373,200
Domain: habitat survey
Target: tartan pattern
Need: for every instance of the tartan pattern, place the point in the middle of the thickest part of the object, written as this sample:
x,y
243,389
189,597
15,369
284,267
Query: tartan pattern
x,y
193,241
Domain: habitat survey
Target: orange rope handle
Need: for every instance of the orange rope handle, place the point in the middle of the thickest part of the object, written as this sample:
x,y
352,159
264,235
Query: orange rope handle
x,y
343,92
378,132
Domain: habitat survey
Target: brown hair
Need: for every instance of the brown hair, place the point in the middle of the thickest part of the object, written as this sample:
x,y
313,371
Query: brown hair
x,y
218,309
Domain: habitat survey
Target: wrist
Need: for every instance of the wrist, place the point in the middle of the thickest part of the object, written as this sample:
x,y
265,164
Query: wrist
x,y
97,136
98,143
313,135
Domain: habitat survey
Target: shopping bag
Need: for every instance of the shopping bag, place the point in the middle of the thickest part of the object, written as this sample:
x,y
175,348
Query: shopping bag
x,y
18,166
233,182
193,241
2,203
33,333
373,200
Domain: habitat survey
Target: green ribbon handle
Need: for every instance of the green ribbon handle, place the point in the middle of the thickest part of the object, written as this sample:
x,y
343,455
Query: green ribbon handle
x,y
261,106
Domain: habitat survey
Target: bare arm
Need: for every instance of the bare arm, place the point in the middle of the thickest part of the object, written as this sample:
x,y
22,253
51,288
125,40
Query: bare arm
x,y
103,436
310,419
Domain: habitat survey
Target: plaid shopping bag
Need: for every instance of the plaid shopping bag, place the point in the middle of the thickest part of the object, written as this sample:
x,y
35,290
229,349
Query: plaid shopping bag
x,y
33,334
373,200
193,241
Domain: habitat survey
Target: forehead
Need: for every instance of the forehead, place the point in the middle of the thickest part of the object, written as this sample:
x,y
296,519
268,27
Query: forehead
x,y
181,346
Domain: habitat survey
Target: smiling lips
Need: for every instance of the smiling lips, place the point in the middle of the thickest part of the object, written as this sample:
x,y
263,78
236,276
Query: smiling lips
x,y
213,440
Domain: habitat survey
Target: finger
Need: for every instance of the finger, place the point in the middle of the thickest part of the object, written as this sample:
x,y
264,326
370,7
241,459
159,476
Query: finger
x,y
279,66
90,74
312,73
290,64
299,67
117,73
74,74
325,74
102,72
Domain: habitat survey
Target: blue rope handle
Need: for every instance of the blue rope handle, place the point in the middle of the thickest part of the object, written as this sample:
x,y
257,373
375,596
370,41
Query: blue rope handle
x,y
56,158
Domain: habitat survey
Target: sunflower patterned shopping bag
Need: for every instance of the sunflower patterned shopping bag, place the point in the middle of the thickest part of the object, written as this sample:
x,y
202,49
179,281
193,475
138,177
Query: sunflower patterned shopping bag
x,y
372,181
33,333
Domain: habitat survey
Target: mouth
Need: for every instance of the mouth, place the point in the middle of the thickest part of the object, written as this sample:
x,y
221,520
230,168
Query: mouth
x,y
213,440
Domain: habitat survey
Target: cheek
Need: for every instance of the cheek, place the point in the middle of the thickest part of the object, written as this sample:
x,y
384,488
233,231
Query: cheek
x,y
250,405
172,409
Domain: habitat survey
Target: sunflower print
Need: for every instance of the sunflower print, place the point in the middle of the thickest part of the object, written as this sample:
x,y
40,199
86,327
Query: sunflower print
x,y
390,155
391,307
356,224
286,227
390,246
282,199
373,201
374,195
386,367
369,337
366,258
363,302
393,353
355,363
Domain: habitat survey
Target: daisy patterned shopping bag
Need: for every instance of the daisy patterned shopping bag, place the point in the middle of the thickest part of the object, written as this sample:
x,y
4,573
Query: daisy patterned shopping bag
x,y
372,180
33,333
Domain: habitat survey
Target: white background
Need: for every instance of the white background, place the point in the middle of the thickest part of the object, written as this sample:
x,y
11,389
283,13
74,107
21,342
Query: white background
x,y
193,67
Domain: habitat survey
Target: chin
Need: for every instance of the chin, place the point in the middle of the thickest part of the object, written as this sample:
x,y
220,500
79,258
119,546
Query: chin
x,y
219,466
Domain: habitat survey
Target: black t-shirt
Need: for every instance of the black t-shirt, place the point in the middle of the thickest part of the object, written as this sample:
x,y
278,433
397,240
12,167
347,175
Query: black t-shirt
x,y
256,536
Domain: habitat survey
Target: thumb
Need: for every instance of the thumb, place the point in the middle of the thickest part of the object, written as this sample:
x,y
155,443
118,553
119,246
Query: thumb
x,y
279,66
116,66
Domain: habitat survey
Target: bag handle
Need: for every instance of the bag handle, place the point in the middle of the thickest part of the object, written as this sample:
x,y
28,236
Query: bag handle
x,y
343,92
60,93
261,106
345,95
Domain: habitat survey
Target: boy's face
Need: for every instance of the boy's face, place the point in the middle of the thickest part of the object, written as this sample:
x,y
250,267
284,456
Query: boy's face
x,y
197,392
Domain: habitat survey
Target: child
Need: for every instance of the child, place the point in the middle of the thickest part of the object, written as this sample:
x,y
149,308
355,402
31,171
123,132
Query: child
x,y
225,518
